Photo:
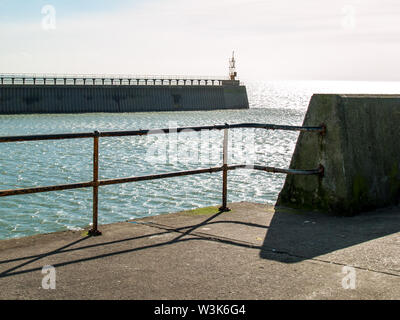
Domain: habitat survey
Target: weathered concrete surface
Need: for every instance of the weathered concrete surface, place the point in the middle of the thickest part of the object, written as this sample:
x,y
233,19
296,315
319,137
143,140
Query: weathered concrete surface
x,y
252,252
360,153
19,99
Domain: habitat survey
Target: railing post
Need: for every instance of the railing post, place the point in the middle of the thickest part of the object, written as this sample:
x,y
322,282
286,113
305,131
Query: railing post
x,y
225,173
94,231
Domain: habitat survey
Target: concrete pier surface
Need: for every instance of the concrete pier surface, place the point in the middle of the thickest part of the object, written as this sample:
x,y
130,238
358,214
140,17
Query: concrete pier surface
x,y
252,252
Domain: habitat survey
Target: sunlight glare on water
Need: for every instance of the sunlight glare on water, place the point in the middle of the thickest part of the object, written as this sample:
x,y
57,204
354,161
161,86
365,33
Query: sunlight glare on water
x,y
41,163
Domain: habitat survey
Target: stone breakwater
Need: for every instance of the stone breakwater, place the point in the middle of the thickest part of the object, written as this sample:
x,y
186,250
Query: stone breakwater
x,y
56,98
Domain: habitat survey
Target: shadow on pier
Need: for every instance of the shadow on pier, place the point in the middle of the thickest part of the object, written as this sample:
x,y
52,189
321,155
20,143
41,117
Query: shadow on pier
x,y
278,235
296,236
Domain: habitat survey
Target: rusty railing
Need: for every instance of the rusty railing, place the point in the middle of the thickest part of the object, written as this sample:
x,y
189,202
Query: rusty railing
x,y
96,183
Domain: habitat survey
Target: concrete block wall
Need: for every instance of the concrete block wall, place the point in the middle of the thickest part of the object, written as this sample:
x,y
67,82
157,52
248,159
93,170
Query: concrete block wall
x,y
19,99
360,152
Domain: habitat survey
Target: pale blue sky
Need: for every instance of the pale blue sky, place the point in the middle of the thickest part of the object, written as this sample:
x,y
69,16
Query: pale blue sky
x,y
273,39
26,10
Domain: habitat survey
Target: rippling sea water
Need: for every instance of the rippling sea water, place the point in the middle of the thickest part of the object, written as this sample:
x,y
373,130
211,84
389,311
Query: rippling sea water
x,y
28,164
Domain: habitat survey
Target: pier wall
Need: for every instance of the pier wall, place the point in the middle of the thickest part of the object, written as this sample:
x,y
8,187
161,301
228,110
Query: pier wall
x,y
360,153
25,99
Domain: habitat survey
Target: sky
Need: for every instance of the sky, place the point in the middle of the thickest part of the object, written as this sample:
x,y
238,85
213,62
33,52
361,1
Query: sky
x,y
272,39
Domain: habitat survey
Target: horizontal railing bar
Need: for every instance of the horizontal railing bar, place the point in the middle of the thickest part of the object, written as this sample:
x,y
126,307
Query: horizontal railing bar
x,y
157,131
158,176
278,127
319,171
213,127
5,193
40,137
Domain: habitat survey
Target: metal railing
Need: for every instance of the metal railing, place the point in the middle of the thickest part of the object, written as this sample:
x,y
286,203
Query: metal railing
x,y
109,76
113,79
96,183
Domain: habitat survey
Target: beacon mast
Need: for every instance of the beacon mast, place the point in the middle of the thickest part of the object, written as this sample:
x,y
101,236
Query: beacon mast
x,y
232,67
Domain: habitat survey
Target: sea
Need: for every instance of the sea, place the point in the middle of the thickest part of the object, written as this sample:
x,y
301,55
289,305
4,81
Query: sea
x,y
43,163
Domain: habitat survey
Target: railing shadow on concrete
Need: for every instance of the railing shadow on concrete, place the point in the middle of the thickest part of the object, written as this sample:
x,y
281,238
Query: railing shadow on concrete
x,y
291,237
184,235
